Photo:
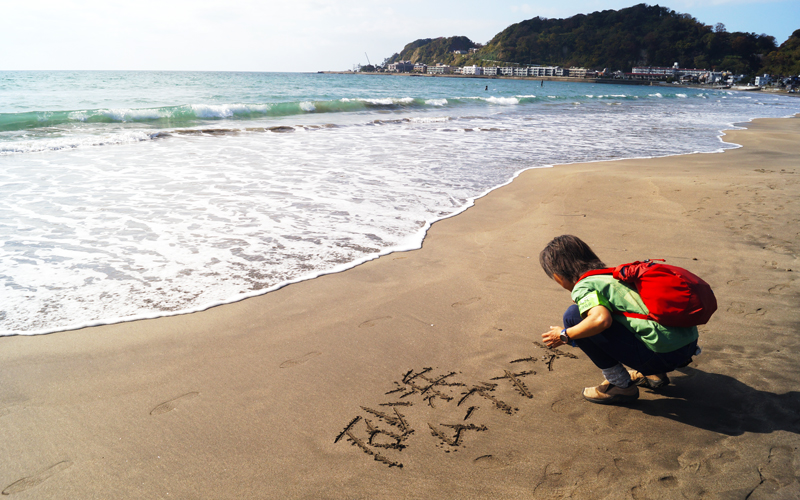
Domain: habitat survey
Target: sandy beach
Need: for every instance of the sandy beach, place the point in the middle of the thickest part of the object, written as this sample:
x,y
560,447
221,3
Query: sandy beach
x,y
418,375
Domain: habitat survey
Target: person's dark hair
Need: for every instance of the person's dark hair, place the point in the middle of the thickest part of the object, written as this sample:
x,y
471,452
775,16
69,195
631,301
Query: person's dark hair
x,y
569,257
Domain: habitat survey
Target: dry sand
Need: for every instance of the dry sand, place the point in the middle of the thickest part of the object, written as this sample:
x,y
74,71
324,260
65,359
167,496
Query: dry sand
x,y
247,400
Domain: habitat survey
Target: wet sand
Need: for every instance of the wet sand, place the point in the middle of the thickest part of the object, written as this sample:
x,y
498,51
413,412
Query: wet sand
x,y
418,375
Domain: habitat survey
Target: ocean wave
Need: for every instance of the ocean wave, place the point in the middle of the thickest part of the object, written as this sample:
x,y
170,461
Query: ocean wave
x,y
196,114
502,100
64,143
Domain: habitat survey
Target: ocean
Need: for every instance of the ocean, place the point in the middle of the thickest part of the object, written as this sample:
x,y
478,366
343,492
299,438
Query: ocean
x,y
128,195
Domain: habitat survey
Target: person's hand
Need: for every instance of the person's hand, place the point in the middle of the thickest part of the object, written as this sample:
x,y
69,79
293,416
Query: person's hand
x,y
553,337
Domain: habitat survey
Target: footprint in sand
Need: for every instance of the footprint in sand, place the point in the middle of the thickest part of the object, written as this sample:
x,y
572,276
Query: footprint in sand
x,y
561,406
778,289
654,488
173,403
35,480
737,281
736,308
372,322
466,302
492,462
299,361
758,312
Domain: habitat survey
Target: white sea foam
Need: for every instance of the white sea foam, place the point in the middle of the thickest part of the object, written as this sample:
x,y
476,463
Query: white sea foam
x,y
502,100
308,106
429,119
128,115
73,142
436,102
151,228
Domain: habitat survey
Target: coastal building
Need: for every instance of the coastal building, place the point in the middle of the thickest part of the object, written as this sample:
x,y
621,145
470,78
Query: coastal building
x,y
505,71
421,68
577,72
763,80
546,71
440,69
401,67
490,70
472,70
662,73
651,73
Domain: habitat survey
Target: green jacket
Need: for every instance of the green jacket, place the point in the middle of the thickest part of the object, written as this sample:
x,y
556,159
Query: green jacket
x,y
616,296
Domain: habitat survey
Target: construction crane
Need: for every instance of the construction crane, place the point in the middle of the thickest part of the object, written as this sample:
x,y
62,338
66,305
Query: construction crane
x,y
367,59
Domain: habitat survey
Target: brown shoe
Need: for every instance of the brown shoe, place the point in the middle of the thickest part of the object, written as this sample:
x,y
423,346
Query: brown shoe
x,y
608,394
649,381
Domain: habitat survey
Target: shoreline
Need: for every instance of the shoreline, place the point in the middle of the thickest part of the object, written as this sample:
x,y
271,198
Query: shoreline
x,y
607,81
247,400
416,242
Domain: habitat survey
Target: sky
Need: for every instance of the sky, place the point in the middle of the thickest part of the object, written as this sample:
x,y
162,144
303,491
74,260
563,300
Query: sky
x,y
296,35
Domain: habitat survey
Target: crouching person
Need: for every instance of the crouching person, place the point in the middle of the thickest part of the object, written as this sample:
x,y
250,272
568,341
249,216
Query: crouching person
x,y
612,341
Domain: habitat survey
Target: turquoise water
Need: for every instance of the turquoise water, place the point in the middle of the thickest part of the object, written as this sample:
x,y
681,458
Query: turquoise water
x,y
141,194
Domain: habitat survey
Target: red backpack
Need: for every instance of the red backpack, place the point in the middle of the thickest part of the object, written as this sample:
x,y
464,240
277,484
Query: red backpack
x,y
673,295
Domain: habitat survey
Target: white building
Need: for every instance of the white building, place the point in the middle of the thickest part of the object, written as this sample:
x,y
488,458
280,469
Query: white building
x,y
763,80
546,71
577,72
472,70
490,70
440,69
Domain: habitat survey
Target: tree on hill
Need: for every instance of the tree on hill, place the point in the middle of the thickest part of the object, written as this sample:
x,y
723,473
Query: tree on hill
x,y
786,60
620,39
433,50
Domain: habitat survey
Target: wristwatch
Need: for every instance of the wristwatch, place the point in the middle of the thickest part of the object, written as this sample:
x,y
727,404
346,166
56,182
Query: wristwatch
x,y
564,337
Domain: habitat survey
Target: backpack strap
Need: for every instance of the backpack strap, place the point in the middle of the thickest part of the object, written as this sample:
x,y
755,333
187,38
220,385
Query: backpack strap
x,y
595,272
611,270
634,315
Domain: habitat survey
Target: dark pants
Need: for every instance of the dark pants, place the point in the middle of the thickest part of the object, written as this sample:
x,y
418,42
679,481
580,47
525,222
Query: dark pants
x,y
617,344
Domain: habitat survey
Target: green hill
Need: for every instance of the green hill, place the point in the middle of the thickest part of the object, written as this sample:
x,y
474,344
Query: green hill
x,y
433,50
786,60
617,40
